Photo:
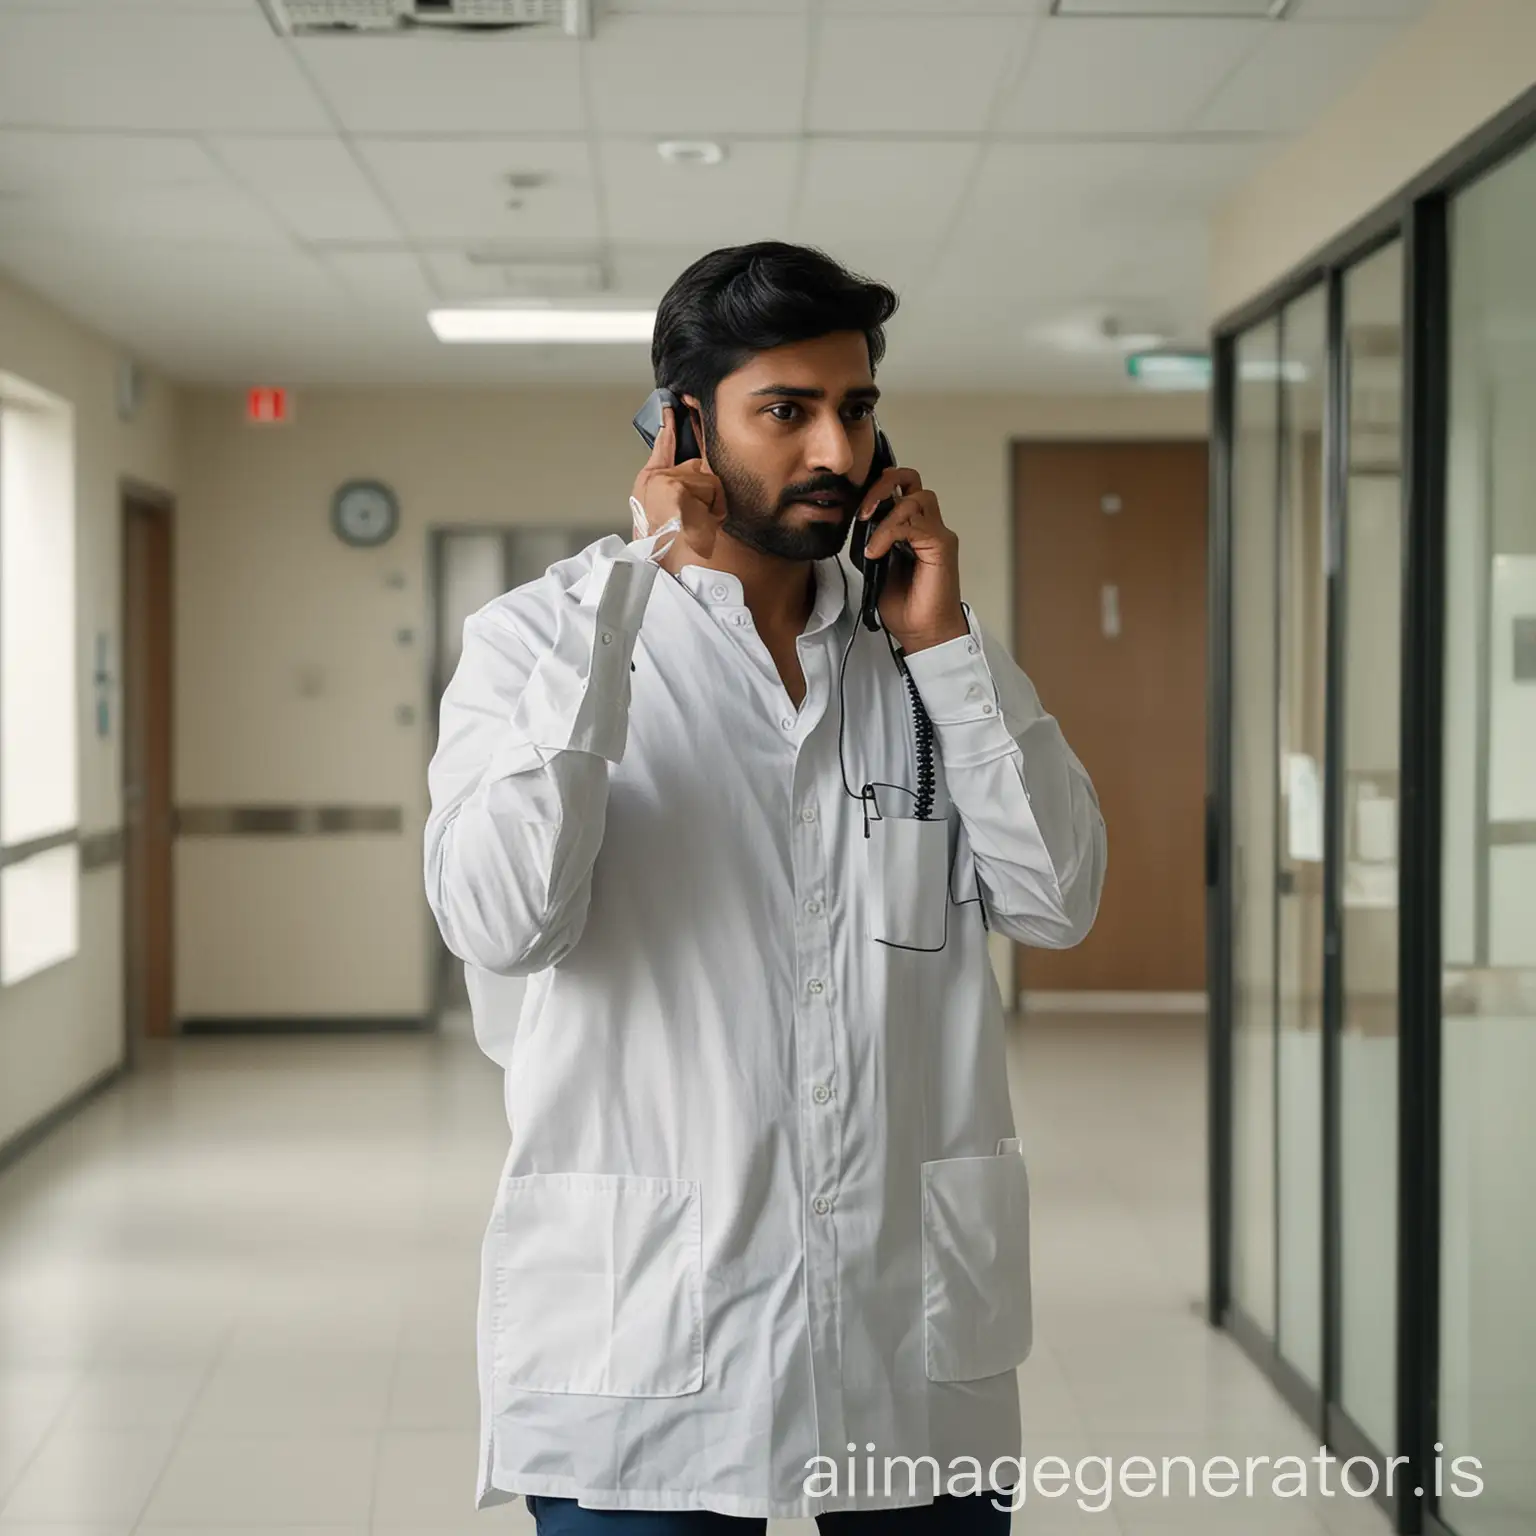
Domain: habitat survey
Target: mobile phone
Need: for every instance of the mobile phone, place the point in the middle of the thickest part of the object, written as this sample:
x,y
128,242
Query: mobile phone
x,y
648,424
877,572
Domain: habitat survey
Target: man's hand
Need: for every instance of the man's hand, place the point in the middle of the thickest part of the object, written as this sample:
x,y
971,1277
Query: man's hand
x,y
688,491
924,610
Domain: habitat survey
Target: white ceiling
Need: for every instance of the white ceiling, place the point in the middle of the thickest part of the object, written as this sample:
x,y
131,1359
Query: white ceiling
x,y
241,208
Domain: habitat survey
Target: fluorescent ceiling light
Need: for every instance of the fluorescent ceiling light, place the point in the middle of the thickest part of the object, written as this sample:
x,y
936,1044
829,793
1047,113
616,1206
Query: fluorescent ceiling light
x,y
1170,370
1257,10
691,151
542,325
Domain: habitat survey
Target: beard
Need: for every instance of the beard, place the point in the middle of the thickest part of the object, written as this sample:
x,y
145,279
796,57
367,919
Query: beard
x,y
760,521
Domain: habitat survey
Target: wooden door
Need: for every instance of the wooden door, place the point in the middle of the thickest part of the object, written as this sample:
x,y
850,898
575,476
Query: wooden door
x,y
147,790
1109,593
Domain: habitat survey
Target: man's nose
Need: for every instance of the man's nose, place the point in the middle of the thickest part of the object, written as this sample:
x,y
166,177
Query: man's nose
x,y
831,449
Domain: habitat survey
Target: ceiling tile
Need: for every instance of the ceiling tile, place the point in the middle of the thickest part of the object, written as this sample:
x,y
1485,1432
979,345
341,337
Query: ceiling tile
x,y
1104,75
382,279
884,8
196,71
522,271
645,270
104,187
1298,71
747,197
445,189
702,8
1178,177
698,75
151,286
494,84
1358,10
869,189
972,274
1025,187
911,74
62,165
313,185
55,7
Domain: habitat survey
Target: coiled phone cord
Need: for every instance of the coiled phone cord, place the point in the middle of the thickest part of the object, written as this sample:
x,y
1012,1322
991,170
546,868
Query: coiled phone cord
x,y
922,733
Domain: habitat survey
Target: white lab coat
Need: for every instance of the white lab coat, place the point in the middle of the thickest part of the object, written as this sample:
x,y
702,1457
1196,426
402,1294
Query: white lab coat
x,y
763,1198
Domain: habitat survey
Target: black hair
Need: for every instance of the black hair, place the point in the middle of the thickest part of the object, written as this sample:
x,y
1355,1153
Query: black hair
x,y
744,299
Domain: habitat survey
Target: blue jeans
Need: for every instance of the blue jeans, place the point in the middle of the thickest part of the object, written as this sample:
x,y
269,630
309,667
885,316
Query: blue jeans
x,y
973,1515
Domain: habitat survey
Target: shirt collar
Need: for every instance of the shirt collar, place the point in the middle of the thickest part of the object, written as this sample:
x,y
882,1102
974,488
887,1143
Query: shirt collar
x,y
720,589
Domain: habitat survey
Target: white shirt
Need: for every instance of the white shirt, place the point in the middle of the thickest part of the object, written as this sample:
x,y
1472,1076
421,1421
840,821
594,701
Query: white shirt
x,y
764,1197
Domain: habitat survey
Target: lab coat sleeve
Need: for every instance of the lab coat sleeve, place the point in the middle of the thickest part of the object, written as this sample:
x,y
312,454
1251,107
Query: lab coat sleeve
x,y
1027,807
519,779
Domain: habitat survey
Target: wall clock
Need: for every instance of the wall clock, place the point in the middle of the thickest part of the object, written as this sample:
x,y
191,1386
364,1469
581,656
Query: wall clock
x,y
365,513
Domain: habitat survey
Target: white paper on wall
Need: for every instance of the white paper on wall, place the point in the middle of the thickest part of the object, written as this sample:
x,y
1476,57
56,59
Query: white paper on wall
x,y
1511,693
1304,809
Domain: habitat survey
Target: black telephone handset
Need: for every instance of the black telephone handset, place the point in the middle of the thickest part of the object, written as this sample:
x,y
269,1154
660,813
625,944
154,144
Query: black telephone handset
x,y
648,424
876,572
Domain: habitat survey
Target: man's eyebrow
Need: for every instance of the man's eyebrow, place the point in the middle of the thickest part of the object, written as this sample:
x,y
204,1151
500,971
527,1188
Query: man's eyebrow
x,y
807,392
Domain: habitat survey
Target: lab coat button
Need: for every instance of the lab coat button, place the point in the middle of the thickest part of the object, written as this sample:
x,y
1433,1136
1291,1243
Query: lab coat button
x,y
808,814
986,709
717,590
970,646
607,638
821,1093
813,906
821,1205
787,723
815,985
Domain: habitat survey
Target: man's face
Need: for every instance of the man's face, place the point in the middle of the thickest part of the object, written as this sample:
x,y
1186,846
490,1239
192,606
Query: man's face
x,y
791,438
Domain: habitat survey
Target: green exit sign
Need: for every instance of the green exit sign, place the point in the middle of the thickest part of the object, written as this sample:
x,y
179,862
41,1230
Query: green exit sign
x,y
1170,370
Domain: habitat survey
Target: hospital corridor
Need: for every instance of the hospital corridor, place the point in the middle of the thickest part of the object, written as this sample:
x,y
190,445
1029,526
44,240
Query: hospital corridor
x,y
766,765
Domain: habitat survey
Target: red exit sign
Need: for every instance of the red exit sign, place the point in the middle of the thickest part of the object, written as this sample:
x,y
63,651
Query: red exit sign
x,y
268,407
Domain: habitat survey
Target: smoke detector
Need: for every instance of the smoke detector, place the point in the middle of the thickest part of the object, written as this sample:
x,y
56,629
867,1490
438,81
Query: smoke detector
x,y
310,18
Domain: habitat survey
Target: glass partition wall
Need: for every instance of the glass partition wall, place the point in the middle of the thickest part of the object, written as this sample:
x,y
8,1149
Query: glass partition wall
x,y
1373,840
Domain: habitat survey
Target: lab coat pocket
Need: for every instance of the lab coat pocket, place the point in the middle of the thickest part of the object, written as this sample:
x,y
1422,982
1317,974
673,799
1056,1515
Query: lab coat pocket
x,y
906,861
976,1285
597,1282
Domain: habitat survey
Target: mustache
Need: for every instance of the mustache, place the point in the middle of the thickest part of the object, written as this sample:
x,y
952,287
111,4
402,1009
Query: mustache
x,y
822,485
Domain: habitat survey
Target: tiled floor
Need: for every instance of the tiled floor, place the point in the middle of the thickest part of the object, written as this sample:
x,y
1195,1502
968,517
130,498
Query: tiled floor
x,y
237,1293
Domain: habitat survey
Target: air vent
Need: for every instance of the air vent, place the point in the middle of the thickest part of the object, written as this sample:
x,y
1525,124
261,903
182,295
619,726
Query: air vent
x,y
1253,10
332,18
516,275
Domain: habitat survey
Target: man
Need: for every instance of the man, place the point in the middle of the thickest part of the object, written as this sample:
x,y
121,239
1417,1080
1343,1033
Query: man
x,y
764,1202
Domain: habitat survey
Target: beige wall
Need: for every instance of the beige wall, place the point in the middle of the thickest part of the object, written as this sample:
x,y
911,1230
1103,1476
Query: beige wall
x,y
1443,78
266,593
64,1027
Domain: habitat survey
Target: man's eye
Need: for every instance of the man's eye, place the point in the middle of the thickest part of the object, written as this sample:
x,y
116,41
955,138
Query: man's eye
x,y
782,405
861,412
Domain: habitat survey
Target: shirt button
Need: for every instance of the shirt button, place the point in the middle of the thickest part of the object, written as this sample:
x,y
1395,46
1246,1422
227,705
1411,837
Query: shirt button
x,y
717,590
986,709
738,618
787,723
821,1093
816,985
607,638
970,646
821,1205
808,814
813,906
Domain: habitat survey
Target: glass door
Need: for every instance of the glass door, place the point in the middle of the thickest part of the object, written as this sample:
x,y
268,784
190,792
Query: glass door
x,y
1302,747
